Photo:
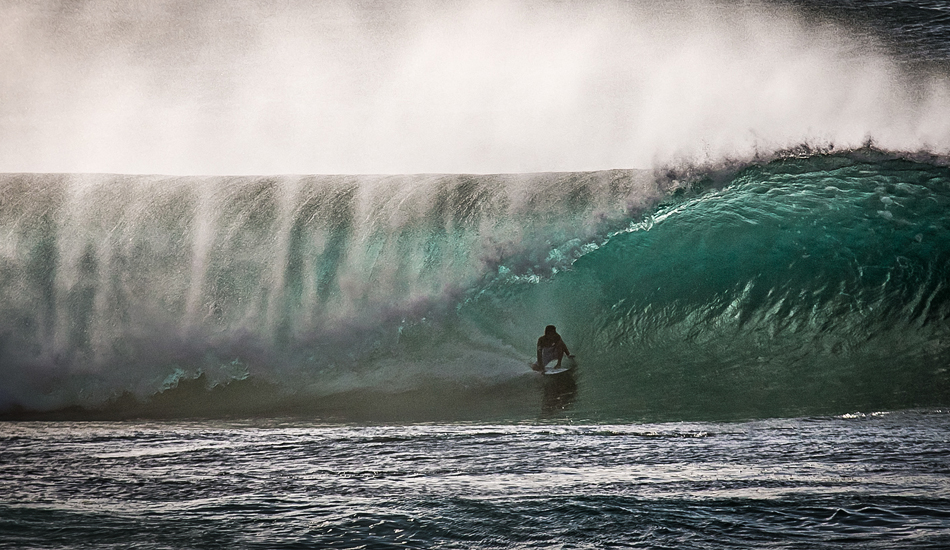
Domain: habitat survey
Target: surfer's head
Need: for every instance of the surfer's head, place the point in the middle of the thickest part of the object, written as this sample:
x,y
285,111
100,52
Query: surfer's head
x,y
550,329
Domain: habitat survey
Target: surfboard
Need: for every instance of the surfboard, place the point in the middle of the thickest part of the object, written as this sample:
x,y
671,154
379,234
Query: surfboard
x,y
551,367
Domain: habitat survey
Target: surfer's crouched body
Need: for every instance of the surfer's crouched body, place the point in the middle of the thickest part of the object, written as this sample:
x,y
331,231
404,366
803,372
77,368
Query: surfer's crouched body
x,y
550,347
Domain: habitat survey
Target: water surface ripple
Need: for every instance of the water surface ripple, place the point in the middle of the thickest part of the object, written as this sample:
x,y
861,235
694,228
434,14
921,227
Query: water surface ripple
x,y
879,481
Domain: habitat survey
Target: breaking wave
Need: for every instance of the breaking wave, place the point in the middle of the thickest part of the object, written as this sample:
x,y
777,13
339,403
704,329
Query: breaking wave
x,y
809,284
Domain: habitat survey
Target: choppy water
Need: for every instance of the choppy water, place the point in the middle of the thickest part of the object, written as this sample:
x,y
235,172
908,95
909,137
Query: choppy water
x,y
867,481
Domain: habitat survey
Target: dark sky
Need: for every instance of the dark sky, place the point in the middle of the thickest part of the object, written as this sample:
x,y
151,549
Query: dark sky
x,y
245,87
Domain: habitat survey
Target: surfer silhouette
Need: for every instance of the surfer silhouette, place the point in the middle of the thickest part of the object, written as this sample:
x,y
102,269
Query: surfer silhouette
x,y
550,347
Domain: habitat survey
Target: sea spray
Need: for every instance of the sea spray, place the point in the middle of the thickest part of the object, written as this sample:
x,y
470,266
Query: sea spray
x,y
115,282
244,87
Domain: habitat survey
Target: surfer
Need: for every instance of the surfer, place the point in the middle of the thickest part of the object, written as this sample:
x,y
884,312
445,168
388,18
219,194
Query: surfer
x,y
550,347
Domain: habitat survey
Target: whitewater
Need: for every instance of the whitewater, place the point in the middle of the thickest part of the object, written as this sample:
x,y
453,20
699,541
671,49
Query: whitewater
x,y
271,276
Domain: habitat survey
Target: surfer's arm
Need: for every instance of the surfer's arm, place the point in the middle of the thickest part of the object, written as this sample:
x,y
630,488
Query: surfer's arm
x,y
564,349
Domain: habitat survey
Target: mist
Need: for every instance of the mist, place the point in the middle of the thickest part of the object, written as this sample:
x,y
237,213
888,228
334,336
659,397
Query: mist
x,y
211,88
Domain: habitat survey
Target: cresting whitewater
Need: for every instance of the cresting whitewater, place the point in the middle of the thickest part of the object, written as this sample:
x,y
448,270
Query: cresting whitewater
x,y
760,315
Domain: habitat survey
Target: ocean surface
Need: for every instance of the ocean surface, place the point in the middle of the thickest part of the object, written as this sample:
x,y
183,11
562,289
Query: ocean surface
x,y
855,481
762,336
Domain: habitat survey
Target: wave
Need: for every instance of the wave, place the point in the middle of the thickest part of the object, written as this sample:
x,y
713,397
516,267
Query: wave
x,y
803,286
725,280
123,283
808,284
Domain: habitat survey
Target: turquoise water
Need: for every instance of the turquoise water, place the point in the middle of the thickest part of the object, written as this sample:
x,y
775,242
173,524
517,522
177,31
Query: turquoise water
x,y
804,285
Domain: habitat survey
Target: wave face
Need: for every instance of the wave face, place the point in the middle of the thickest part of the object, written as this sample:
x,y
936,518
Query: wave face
x,y
804,286
800,286
122,283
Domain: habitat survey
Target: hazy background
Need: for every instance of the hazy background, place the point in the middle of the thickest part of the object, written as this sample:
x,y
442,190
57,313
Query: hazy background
x,y
260,87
